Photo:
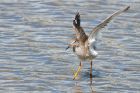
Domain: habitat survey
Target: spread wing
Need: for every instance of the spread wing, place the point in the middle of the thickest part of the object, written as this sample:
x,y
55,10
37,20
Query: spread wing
x,y
80,34
95,30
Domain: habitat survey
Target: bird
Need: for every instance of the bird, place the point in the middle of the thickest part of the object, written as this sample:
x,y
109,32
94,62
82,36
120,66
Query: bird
x,y
83,45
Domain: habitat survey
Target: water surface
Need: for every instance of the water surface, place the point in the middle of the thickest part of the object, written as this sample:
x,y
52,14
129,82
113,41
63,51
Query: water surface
x,y
35,33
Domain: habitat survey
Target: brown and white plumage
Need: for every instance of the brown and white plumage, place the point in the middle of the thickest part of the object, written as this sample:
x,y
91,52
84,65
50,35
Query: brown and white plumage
x,y
84,45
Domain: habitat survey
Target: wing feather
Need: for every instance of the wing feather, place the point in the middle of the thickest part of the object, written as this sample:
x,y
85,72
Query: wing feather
x,y
104,23
80,34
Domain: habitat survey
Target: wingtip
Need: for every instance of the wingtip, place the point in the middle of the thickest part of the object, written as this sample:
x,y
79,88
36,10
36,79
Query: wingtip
x,y
77,13
76,21
127,7
77,16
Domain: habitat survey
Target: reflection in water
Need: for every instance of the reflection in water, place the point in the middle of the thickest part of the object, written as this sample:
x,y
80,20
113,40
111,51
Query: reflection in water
x,y
80,89
92,89
90,79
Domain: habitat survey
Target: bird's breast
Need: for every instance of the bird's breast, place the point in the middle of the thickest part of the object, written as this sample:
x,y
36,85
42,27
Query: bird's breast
x,y
84,53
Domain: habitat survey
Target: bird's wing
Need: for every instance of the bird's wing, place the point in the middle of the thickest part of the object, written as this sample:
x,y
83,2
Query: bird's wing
x,y
80,34
95,30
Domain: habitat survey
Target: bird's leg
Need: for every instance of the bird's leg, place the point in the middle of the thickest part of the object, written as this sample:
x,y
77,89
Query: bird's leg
x,y
91,72
78,70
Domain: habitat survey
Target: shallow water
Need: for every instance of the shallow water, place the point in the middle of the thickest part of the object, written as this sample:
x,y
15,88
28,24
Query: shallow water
x,y
35,33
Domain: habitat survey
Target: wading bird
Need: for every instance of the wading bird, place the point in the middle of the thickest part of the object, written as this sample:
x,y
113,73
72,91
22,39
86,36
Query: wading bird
x,y
84,45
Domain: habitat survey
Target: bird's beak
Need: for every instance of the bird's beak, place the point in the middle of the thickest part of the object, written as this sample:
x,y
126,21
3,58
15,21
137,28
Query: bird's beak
x,y
68,47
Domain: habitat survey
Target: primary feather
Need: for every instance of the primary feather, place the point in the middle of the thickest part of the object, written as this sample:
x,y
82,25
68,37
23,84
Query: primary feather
x,y
104,23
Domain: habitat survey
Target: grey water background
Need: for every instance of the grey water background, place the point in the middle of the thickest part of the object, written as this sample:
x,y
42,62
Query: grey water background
x,y
35,33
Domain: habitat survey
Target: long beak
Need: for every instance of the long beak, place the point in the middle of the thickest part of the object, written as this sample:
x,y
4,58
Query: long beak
x,y
70,45
67,47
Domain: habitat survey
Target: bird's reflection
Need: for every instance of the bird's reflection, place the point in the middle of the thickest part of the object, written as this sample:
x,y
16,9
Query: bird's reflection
x,y
91,79
80,89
